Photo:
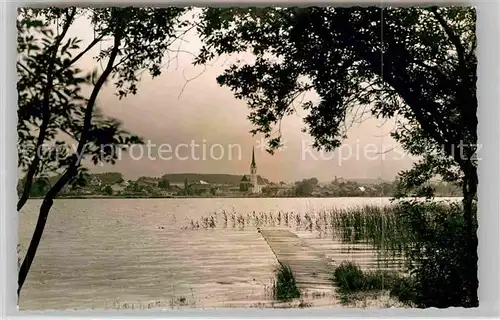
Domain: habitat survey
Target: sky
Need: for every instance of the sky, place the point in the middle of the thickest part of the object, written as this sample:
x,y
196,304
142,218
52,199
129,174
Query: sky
x,y
175,112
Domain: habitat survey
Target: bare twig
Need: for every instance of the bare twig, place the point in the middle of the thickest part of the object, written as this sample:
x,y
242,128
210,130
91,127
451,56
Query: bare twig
x,y
388,150
189,80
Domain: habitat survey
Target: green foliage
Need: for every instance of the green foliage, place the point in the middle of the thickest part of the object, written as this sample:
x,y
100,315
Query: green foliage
x,y
39,188
50,99
108,190
416,181
196,191
429,68
64,109
285,287
305,187
164,184
427,79
51,102
187,191
213,191
431,236
380,280
349,278
440,260
405,290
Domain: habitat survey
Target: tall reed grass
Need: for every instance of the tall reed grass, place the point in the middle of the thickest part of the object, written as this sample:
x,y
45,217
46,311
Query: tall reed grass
x,y
285,286
379,226
385,229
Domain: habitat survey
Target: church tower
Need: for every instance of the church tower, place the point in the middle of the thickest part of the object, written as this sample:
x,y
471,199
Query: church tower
x,y
253,174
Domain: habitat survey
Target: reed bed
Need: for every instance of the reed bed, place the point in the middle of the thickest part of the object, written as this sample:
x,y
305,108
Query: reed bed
x,y
380,228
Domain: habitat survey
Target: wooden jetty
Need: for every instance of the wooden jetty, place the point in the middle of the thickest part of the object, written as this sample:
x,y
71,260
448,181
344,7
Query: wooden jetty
x,y
311,269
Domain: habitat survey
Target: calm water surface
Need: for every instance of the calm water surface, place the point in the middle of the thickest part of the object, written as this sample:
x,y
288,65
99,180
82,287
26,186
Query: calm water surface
x,y
142,253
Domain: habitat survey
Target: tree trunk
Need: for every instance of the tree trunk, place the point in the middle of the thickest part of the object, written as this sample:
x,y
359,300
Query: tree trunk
x,y
49,86
73,167
35,241
470,190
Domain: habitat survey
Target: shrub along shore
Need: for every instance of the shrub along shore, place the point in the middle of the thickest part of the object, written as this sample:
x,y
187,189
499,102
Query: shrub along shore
x,y
428,235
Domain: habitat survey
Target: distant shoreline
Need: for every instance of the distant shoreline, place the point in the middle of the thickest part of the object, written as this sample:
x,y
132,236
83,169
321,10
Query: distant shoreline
x,y
215,197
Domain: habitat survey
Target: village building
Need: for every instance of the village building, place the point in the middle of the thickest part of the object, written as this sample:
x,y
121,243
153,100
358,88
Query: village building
x,y
252,183
200,187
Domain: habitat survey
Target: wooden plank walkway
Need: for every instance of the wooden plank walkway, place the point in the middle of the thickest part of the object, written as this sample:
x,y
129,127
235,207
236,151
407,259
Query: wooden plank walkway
x,y
311,269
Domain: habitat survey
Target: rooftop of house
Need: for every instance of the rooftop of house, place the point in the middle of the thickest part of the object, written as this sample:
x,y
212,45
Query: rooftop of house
x,y
260,180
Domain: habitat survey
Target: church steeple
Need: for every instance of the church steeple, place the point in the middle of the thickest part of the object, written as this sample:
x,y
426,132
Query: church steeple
x,y
253,157
253,165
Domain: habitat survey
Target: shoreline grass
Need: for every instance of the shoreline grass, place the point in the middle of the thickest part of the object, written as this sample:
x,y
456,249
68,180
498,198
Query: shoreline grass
x,y
349,278
285,286
355,284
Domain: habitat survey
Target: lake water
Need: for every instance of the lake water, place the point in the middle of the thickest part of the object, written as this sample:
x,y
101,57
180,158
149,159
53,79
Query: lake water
x,y
146,253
